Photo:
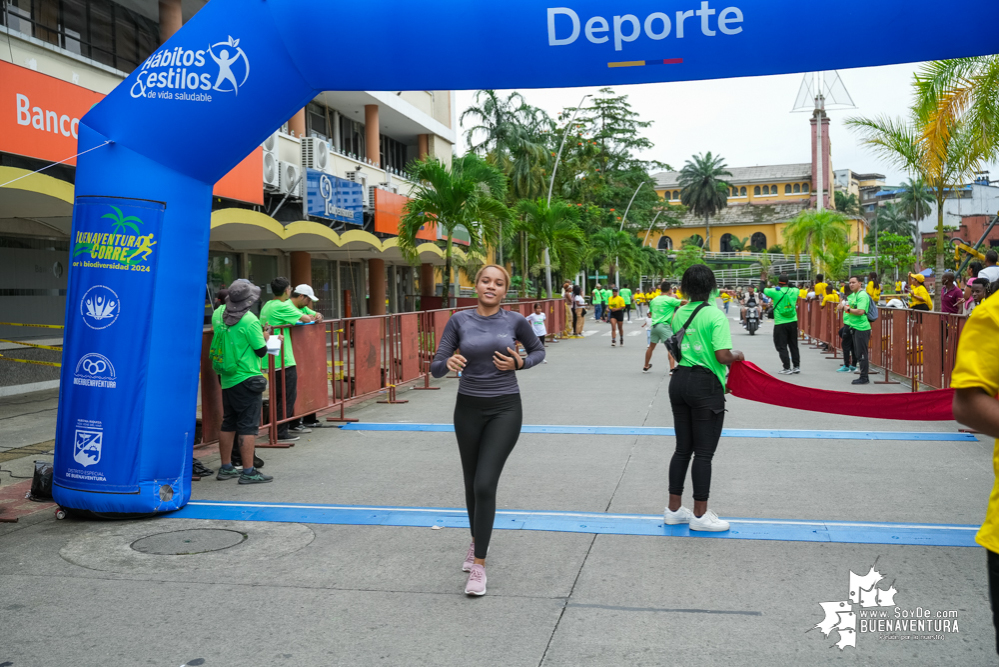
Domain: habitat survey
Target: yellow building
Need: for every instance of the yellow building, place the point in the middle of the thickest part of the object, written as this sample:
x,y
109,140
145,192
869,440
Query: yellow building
x,y
761,202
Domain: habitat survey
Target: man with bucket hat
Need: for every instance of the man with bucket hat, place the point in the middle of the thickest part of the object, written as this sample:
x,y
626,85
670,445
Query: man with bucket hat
x,y
237,346
288,307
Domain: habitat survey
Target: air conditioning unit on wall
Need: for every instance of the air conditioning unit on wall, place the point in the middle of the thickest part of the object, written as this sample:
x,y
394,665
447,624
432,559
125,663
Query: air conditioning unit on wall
x,y
271,176
315,154
290,179
271,172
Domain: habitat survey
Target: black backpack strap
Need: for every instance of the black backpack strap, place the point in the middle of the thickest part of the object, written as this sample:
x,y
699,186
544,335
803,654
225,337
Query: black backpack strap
x,y
693,314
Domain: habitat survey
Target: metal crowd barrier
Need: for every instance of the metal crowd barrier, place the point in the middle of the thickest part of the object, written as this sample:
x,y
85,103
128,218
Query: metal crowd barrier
x,y
920,346
345,361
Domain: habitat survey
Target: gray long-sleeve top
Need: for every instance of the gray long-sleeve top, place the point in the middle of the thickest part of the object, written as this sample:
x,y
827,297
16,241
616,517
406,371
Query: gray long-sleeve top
x,y
478,338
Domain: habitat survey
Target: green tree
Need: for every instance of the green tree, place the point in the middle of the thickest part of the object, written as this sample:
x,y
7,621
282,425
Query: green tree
x,y
739,245
833,260
890,218
553,227
961,91
703,190
469,194
937,142
694,240
686,257
617,249
895,252
847,204
815,232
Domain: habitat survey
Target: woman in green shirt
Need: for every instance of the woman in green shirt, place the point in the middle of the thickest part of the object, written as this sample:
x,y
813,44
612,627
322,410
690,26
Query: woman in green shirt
x,y
697,398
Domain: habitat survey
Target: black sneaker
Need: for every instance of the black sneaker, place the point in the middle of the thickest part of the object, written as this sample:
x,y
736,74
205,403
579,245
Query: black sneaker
x,y
237,460
231,473
861,381
287,438
312,424
795,370
256,478
299,429
647,368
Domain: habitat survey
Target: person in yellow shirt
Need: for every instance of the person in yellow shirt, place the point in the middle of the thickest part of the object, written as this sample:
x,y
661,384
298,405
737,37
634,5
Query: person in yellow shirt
x,y
831,295
919,298
803,293
615,306
820,287
640,302
976,385
726,297
874,287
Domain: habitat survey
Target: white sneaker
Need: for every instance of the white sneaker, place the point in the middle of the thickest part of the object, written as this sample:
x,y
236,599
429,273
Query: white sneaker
x,y
682,515
708,521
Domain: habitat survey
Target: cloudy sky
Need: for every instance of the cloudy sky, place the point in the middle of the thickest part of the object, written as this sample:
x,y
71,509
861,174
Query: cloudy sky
x,y
748,121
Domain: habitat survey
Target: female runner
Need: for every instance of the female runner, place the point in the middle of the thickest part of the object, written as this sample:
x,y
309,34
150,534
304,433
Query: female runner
x,y
481,344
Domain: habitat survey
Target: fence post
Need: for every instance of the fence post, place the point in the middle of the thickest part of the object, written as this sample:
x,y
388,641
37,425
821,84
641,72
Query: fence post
x,y
392,343
343,352
885,342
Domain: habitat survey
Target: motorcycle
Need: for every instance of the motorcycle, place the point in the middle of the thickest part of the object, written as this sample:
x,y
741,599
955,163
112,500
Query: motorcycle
x,y
752,319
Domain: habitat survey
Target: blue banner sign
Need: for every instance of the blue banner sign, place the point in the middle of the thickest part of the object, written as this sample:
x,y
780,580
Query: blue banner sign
x,y
112,271
243,65
333,198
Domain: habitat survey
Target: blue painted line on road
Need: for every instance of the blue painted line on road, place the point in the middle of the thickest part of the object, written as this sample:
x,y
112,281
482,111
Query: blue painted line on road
x,y
856,532
668,431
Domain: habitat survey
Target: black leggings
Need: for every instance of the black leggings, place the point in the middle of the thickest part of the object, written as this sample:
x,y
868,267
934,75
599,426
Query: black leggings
x,y
698,403
993,567
487,430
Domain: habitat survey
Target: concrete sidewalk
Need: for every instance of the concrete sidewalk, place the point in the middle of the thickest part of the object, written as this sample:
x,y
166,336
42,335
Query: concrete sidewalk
x,y
314,594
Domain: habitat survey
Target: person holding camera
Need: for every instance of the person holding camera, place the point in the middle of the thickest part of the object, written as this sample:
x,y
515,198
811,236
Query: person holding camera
x,y
785,310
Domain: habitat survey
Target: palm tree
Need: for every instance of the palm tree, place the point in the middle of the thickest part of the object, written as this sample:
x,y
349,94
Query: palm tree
x,y
916,205
815,232
704,193
552,227
936,143
739,245
833,260
496,118
891,219
468,194
616,248
962,91
847,204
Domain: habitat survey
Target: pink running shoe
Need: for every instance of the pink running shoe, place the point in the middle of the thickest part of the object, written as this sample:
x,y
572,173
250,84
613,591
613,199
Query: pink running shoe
x,y
476,581
469,559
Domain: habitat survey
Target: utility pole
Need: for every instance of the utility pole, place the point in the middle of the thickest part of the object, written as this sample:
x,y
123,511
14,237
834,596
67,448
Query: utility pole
x,y
551,185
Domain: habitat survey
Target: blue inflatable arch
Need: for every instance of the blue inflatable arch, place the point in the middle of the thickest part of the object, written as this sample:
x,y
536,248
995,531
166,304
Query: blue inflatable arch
x,y
240,68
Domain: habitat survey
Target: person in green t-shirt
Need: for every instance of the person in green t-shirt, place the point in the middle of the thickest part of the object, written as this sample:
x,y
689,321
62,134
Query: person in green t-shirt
x,y
785,301
288,307
697,398
661,311
629,300
242,381
597,299
855,316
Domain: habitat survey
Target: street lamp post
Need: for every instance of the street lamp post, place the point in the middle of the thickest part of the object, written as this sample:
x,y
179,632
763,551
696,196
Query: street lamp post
x,y
617,269
551,185
650,227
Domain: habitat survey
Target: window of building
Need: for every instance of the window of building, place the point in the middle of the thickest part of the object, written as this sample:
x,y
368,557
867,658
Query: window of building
x,y
96,29
665,243
316,120
758,241
676,194
756,191
797,188
393,153
766,190
725,244
351,136
742,192
804,187
787,189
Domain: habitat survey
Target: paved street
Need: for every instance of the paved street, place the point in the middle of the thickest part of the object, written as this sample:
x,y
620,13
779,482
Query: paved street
x,y
292,593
